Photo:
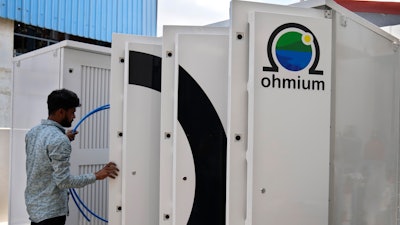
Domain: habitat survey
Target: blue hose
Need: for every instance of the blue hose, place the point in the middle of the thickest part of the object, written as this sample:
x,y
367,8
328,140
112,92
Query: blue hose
x,y
106,106
84,206
76,203
75,195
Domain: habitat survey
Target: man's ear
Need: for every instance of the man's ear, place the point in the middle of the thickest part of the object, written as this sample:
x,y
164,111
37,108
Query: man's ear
x,y
60,112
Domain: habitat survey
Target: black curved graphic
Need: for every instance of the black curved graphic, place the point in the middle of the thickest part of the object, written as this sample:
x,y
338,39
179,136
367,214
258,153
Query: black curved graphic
x,y
207,140
145,70
205,134
274,67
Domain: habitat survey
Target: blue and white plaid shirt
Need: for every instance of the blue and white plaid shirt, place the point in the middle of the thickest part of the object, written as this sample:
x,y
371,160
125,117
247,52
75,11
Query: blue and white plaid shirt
x,y
48,151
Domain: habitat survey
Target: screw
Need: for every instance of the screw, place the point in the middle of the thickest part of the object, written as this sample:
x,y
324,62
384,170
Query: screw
x,y
263,190
167,135
121,60
169,53
120,134
70,70
184,178
239,35
166,216
238,137
328,14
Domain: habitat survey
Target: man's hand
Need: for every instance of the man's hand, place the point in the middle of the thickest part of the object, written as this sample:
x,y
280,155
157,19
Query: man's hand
x,y
110,170
71,134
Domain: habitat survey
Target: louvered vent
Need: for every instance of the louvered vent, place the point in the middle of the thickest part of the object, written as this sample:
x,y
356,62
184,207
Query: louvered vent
x,y
94,196
95,92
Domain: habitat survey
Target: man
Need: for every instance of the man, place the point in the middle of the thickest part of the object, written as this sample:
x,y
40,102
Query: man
x,y
48,151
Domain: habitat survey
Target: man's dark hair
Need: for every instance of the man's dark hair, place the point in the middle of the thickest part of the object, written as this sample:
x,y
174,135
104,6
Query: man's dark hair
x,y
62,99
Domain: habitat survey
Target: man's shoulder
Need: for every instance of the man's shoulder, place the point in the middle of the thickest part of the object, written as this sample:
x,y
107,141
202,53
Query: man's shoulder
x,y
34,130
44,129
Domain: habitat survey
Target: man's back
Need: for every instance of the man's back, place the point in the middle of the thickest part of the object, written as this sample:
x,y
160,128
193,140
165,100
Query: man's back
x,y
45,144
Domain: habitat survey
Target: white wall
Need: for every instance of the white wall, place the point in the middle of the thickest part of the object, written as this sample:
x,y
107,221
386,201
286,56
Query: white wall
x,y
4,175
6,49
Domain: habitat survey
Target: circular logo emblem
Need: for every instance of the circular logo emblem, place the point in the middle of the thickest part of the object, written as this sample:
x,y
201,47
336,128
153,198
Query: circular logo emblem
x,y
294,47
293,50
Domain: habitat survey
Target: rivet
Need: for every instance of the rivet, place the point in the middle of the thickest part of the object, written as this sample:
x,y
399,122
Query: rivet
x,y
238,137
239,35
263,190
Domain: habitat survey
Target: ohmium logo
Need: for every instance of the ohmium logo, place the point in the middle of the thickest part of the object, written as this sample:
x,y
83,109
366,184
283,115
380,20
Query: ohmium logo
x,y
294,47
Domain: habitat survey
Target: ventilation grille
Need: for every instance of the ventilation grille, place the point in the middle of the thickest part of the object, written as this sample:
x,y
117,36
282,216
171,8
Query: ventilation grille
x,y
94,196
95,92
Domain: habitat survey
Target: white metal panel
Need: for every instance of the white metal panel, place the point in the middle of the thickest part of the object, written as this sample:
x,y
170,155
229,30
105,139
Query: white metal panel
x,y
32,83
365,173
116,118
95,85
88,75
237,100
141,140
289,119
199,173
169,115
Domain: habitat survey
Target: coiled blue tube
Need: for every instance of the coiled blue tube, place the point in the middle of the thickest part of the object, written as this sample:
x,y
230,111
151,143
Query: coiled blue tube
x,y
75,195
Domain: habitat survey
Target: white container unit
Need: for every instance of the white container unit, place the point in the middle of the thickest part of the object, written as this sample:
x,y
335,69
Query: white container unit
x,y
323,136
279,133
289,117
84,69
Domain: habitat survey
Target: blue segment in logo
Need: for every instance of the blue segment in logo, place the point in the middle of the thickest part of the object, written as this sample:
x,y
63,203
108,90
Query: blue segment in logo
x,y
293,60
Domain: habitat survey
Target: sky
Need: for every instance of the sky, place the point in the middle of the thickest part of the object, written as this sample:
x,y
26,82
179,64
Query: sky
x,y
198,12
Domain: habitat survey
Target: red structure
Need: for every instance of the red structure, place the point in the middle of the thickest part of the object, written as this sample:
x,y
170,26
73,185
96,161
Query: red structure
x,y
385,7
